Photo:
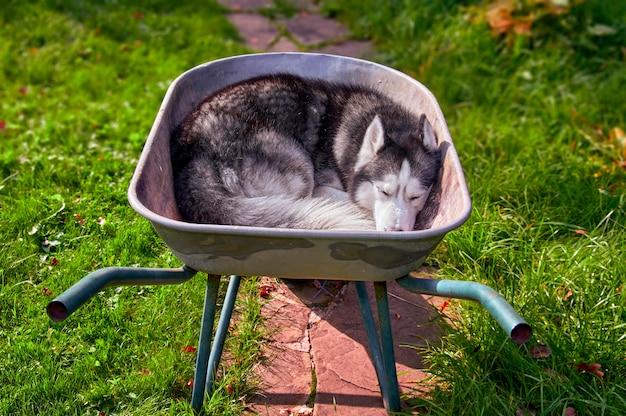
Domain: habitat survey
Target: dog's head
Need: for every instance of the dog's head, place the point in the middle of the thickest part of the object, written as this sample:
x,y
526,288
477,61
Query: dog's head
x,y
395,170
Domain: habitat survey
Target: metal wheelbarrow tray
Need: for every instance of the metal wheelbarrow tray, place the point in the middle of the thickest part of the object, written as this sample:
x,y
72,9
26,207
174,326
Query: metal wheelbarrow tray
x,y
335,255
220,249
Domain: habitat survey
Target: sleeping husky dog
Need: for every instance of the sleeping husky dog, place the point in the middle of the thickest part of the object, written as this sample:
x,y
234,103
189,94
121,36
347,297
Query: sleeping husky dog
x,y
285,151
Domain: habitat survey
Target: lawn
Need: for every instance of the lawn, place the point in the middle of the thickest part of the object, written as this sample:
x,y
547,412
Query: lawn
x,y
81,84
536,111
534,100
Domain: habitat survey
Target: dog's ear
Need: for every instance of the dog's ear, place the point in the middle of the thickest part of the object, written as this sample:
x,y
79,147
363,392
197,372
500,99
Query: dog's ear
x,y
373,141
429,139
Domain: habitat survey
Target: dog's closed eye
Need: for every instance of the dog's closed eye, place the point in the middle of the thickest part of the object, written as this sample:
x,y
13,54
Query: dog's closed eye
x,y
386,189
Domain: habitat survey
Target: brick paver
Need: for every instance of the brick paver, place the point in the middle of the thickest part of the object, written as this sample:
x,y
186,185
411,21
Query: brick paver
x,y
306,31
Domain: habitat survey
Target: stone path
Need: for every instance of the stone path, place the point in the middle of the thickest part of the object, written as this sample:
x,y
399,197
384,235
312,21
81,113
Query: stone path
x,y
317,358
306,31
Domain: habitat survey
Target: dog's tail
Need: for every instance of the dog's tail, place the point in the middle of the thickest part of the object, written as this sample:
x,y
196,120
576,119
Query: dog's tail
x,y
313,213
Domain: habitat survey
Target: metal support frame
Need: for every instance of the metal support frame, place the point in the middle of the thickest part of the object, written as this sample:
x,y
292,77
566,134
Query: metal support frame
x,y
513,324
381,344
210,353
210,347
80,292
204,345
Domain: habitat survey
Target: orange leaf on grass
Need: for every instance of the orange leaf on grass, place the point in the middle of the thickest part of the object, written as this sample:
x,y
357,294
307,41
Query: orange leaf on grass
x,y
522,27
593,368
500,19
568,294
190,348
616,133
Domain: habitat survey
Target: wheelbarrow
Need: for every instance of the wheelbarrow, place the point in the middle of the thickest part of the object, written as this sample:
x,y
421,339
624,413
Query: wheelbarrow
x,y
367,256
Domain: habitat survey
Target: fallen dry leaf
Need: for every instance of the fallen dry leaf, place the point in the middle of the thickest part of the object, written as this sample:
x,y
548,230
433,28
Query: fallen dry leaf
x,y
265,290
190,348
500,17
540,351
616,133
445,305
568,294
594,368
570,411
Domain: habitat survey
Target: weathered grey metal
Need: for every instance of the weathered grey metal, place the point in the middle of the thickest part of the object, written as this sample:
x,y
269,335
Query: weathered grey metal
x,y
221,249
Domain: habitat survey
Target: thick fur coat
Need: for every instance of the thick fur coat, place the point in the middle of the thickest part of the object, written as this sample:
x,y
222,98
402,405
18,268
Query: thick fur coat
x,y
285,151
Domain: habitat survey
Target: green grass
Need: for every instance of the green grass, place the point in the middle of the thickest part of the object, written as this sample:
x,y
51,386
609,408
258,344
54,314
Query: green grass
x,y
534,119
81,84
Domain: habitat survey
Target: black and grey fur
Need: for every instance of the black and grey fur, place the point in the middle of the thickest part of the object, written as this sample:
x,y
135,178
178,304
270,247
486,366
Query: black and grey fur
x,y
285,151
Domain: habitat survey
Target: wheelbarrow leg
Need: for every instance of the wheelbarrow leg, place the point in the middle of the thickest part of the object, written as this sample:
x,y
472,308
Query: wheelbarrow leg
x,y
386,338
222,330
204,346
210,353
381,347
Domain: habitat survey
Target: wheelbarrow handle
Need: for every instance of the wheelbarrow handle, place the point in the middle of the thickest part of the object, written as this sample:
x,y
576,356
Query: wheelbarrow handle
x,y
513,324
87,287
